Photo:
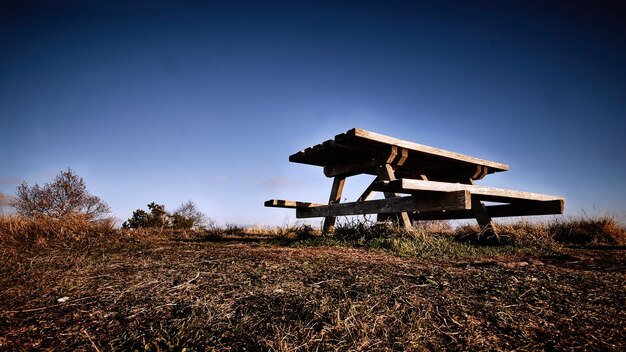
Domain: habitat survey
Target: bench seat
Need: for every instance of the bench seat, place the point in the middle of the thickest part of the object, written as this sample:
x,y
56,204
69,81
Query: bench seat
x,y
434,201
489,194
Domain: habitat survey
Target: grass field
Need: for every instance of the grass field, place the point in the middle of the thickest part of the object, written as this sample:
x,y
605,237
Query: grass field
x,y
79,286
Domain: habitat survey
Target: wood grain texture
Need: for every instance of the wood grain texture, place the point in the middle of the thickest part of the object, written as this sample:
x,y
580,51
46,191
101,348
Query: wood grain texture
x,y
368,193
478,192
362,164
292,204
385,173
481,214
439,182
425,202
497,211
335,197
362,134
354,147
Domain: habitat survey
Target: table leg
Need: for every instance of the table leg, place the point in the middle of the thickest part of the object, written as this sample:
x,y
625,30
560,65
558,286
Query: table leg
x,y
482,217
385,173
335,197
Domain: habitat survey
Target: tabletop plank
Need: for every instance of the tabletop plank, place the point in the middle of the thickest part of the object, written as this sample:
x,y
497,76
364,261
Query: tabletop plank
x,y
361,135
347,149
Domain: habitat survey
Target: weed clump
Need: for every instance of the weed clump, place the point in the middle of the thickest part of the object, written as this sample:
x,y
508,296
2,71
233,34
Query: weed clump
x,y
522,234
429,239
438,239
361,231
482,236
16,229
19,234
600,231
604,230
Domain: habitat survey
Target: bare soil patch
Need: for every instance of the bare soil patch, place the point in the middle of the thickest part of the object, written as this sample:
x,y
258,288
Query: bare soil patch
x,y
125,294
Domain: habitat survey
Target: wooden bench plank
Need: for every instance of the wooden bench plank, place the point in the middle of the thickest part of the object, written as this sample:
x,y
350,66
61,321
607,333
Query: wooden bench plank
x,y
531,208
291,204
426,202
478,192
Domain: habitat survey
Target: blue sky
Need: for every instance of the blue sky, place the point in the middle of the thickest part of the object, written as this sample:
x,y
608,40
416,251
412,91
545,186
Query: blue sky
x,y
170,101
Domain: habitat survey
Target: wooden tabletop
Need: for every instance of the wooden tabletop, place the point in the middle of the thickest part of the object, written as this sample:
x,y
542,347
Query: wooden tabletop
x,y
359,151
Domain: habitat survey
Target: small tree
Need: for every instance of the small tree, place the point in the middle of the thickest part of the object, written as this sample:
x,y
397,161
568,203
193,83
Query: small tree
x,y
187,216
141,218
179,222
66,195
157,215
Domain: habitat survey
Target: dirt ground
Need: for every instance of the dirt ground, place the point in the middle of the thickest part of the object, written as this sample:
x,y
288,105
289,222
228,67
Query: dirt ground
x,y
169,295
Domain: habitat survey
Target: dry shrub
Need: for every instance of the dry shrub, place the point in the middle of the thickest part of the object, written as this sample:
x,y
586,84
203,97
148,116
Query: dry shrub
x,y
605,230
475,235
522,234
582,231
293,232
527,234
362,230
18,232
440,227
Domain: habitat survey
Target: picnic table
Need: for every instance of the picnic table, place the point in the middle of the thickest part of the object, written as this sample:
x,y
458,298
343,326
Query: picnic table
x,y
418,182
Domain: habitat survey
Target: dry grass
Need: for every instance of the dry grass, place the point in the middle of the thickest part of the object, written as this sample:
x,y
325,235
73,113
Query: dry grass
x,y
603,230
592,231
219,290
18,234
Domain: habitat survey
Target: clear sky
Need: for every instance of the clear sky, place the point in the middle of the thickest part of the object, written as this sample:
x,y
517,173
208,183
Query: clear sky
x,y
170,101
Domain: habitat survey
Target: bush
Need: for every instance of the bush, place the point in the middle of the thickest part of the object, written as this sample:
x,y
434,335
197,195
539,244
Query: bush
x,y
186,217
476,235
589,231
20,233
305,232
364,230
66,196
142,219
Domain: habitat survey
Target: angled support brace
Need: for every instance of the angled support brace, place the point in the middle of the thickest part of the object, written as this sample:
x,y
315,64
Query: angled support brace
x,y
385,173
367,194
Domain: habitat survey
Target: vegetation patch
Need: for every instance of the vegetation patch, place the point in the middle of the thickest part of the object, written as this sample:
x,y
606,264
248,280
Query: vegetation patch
x,y
82,285
603,230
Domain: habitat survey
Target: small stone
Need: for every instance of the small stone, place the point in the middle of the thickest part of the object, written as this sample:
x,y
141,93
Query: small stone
x,y
514,265
63,299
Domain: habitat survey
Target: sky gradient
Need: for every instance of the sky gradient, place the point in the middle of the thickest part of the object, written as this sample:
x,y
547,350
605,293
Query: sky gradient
x,y
170,101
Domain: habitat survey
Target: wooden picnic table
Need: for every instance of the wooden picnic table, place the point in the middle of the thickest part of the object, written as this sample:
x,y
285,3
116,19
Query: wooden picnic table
x,y
418,182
